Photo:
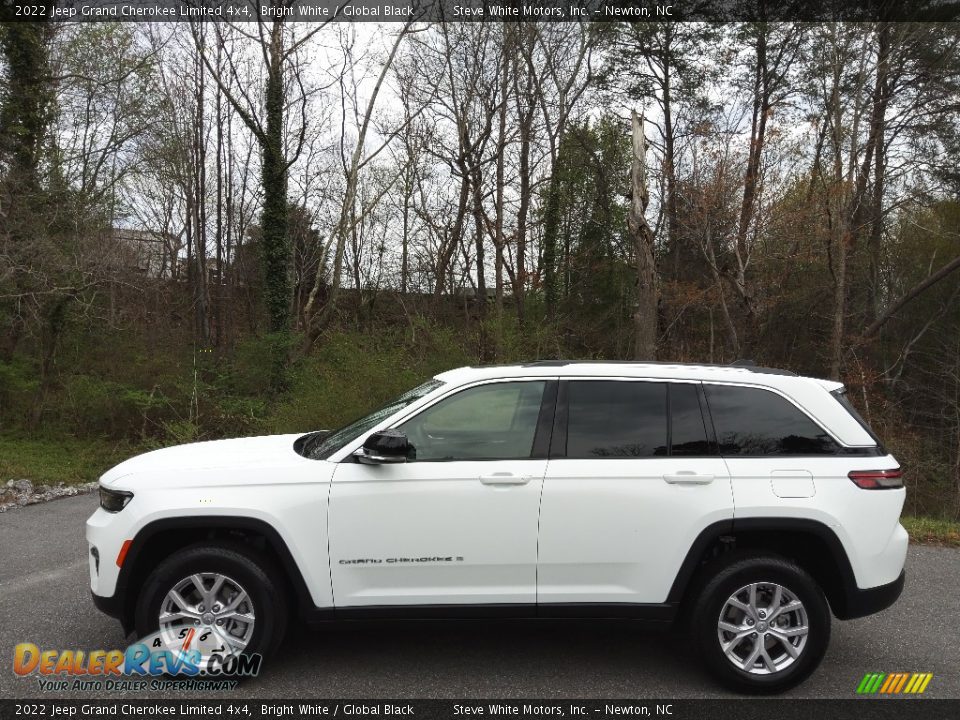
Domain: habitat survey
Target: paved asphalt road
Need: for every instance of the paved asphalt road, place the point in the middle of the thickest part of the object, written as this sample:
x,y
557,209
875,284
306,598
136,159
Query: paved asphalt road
x,y
44,599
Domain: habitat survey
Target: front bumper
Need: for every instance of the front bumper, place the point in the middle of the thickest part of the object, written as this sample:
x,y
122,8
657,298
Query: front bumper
x,y
872,600
108,605
106,533
115,607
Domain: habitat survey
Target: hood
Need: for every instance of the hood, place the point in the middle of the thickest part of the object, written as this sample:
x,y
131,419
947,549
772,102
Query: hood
x,y
237,453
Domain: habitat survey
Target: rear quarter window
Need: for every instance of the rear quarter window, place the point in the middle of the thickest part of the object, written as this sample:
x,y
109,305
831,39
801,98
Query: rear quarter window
x,y
841,397
756,422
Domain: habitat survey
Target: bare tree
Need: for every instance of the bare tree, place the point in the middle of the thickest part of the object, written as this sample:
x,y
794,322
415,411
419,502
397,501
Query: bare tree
x,y
278,46
348,217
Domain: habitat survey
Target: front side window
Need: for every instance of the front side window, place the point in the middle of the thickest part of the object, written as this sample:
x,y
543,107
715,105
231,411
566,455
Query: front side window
x,y
616,419
751,421
497,421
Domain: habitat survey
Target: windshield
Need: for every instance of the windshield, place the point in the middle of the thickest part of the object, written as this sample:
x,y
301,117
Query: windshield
x,y
321,445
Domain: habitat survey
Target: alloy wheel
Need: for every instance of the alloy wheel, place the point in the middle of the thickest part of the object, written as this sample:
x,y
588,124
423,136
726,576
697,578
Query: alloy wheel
x,y
216,607
763,628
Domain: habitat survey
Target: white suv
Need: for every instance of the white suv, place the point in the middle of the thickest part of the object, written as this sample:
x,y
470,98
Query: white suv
x,y
751,502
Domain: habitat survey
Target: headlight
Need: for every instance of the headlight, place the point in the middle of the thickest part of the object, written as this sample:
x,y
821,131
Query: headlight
x,y
114,501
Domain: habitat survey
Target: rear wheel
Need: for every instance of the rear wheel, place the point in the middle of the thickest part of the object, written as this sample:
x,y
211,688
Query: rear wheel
x,y
218,599
762,624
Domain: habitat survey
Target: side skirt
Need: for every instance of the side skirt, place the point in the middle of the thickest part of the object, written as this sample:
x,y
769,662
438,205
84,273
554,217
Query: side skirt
x,y
650,612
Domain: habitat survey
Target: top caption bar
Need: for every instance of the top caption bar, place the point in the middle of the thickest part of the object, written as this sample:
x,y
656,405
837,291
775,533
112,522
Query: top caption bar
x,y
480,10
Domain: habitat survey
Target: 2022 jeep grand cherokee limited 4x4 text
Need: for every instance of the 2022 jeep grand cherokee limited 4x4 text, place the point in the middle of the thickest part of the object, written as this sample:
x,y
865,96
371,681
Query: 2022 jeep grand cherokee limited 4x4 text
x,y
751,502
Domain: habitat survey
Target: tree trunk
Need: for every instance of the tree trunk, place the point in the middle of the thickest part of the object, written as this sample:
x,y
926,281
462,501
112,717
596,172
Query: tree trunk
x,y
840,235
449,247
198,157
669,152
498,239
881,98
404,251
551,235
525,109
275,246
839,303
218,238
758,131
314,320
645,316
478,242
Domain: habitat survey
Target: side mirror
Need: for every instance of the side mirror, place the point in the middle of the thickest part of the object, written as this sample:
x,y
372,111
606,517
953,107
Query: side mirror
x,y
384,446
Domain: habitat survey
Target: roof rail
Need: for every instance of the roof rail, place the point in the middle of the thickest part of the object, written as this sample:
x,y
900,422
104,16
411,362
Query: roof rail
x,y
747,365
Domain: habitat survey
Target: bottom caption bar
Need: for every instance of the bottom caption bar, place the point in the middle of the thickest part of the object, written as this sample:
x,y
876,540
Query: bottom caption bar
x,y
741,709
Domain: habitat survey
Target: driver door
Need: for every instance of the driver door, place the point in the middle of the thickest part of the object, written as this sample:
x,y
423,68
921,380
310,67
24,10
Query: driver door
x,y
457,523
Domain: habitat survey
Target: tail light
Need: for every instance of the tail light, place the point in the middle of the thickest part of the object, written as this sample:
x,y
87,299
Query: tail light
x,y
877,479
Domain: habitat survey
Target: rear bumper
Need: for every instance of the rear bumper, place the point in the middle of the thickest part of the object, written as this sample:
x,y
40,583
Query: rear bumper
x,y
872,600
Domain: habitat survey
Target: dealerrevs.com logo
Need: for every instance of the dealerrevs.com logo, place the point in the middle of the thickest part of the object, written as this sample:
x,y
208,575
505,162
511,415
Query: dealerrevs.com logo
x,y
894,683
148,664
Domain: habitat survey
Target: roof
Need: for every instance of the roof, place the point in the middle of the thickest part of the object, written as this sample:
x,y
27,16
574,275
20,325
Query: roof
x,y
741,371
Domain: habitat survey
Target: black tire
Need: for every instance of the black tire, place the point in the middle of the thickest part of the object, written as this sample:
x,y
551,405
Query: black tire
x,y
724,579
244,565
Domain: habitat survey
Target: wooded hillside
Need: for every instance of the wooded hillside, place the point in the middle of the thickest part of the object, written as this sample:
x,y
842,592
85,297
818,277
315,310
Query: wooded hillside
x,y
209,229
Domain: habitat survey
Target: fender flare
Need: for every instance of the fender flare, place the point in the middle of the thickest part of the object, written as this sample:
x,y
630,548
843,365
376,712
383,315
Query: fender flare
x,y
844,602
123,598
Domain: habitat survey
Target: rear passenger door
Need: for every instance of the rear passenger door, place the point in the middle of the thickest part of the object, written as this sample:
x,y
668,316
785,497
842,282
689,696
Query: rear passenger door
x,y
633,478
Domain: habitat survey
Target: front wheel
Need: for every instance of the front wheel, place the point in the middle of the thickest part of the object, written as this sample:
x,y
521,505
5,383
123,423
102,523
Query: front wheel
x,y
762,624
218,599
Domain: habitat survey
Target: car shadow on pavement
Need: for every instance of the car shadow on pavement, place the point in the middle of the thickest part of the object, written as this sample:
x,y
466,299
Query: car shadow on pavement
x,y
486,658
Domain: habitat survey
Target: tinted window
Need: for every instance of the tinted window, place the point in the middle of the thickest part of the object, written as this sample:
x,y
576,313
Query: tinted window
x,y
488,422
616,419
688,436
750,421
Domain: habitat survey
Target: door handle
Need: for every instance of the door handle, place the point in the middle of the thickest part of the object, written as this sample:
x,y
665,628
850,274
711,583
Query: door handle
x,y
505,478
688,478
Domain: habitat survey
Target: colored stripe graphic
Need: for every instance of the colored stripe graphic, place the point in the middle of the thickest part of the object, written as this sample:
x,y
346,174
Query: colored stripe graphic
x,y
901,683
891,681
918,683
894,683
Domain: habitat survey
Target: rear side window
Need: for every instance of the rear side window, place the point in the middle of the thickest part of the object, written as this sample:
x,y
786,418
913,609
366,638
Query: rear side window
x,y
611,419
751,421
688,436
